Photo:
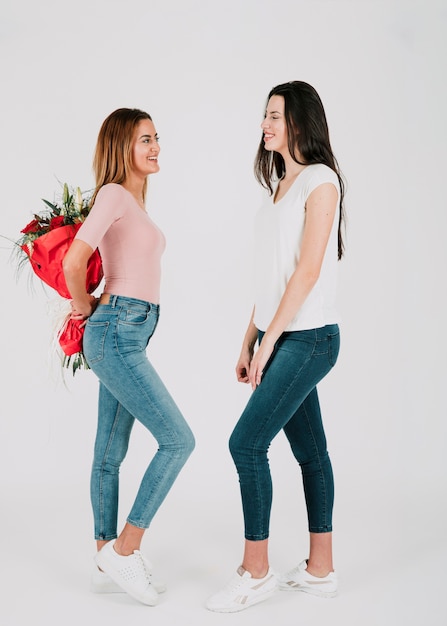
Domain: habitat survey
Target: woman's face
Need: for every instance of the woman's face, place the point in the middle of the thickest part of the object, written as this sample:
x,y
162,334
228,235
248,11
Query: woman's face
x,y
274,126
145,149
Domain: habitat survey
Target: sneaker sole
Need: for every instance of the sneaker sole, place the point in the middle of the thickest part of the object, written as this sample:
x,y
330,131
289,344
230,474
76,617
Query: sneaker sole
x,y
241,607
309,590
111,587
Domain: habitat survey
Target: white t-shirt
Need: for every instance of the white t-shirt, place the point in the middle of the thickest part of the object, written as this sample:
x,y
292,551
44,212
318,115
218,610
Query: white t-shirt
x,y
278,234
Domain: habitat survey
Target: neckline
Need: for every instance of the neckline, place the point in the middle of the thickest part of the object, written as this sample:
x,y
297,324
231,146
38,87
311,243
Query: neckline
x,y
141,208
275,201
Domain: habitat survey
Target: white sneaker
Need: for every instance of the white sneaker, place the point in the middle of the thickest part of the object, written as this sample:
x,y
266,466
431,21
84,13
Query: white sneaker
x,y
243,591
102,583
128,572
299,579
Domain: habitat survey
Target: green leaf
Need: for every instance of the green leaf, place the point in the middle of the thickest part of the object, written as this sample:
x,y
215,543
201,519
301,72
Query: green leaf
x,y
77,362
52,206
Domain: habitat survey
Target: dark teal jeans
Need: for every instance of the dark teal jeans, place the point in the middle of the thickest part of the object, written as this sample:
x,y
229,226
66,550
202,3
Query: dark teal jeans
x,y
287,400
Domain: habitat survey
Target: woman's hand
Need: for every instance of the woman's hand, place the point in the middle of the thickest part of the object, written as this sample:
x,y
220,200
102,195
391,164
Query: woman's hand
x,y
248,346
81,311
243,365
259,361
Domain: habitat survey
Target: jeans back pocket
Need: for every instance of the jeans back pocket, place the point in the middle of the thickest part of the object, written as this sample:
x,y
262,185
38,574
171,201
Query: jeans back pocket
x,y
94,340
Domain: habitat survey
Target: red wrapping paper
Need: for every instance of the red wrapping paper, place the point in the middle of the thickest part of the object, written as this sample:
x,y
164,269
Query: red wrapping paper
x,y
46,254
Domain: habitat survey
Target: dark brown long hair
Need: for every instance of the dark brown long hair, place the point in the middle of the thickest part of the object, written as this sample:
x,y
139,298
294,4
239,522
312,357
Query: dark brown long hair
x,y
113,155
307,134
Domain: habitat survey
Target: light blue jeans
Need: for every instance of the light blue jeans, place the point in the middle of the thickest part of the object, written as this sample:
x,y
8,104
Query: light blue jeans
x,y
115,341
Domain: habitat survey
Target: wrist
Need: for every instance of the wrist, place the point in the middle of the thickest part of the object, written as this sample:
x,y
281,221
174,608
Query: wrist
x,y
83,307
268,339
248,347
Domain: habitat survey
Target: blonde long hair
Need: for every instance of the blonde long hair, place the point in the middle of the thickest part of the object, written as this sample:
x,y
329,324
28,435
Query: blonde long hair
x,y
112,161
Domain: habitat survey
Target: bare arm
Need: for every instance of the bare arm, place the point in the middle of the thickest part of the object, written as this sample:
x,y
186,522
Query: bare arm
x,y
247,350
320,211
75,272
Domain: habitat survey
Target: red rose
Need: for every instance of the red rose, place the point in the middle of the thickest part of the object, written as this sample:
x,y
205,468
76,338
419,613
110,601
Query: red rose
x,y
32,227
57,221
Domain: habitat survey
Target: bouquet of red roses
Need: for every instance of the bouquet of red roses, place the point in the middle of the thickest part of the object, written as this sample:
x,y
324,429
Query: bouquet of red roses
x,y
44,243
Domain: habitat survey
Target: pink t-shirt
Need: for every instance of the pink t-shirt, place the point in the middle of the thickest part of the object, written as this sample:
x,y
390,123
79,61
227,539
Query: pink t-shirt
x,y
129,242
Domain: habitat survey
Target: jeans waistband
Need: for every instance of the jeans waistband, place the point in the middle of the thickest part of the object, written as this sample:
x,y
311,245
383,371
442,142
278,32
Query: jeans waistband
x,y
319,333
115,301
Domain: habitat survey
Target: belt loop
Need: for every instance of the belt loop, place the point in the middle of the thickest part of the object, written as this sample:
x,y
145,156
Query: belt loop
x,y
113,300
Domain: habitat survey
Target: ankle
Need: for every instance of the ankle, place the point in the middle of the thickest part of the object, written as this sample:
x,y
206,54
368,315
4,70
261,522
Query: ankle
x,y
318,570
129,540
256,572
124,549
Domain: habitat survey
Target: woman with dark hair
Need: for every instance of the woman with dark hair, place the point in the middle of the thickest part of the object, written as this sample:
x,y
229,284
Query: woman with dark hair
x,y
118,329
298,241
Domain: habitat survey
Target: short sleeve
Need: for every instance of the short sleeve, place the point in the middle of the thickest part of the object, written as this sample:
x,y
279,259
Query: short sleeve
x,y
322,174
107,209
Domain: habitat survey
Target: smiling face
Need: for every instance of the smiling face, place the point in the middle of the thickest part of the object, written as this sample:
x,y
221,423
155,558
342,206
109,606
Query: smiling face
x,y
274,126
145,149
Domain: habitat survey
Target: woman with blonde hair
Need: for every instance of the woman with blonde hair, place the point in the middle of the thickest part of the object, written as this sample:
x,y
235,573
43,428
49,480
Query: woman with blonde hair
x,y
118,328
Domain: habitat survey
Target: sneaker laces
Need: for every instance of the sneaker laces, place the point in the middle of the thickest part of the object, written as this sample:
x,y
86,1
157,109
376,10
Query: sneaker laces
x,y
297,569
234,583
142,565
147,564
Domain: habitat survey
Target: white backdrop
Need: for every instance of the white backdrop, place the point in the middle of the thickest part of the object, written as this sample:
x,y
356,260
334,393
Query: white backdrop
x,y
203,71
